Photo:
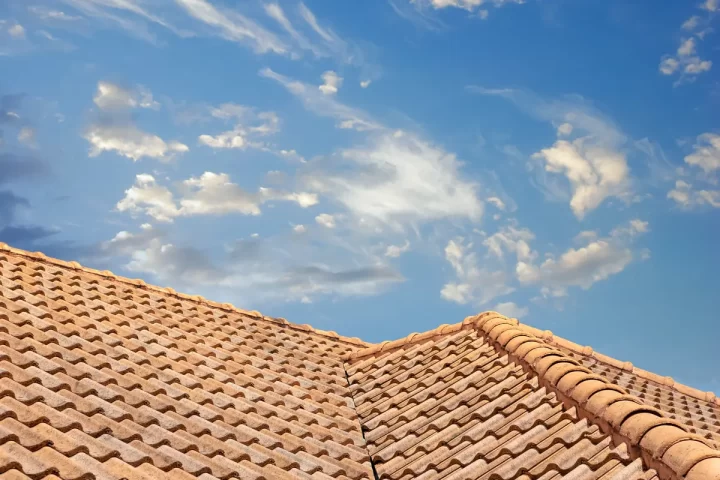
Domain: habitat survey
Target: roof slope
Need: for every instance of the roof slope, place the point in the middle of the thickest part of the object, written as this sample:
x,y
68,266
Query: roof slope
x,y
698,410
109,378
487,398
453,407
100,378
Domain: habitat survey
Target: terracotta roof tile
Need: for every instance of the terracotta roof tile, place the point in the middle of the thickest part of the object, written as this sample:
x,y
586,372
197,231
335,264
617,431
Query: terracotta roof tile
x,y
101,377
104,377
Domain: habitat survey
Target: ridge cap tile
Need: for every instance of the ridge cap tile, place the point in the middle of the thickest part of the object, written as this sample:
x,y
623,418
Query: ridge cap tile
x,y
666,446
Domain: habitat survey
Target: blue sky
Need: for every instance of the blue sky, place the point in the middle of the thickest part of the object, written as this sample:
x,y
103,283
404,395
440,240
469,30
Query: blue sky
x,y
383,167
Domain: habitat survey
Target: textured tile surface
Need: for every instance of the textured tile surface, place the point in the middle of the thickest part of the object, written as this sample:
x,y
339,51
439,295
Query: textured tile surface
x,y
103,379
452,407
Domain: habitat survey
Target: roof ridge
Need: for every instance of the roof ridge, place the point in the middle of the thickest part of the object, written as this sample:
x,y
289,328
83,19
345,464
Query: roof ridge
x,y
548,337
588,351
139,283
413,338
662,443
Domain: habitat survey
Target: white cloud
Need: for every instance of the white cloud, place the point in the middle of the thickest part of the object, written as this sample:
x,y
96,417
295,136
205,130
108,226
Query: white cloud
x,y
130,16
687,197
110,96
331,83
311,20
706,154
582,267
510,309
365,83
26,135
324,105
510,239
17,31
711,5
691,23
669,65
326,220
499,204
473,284
249,125
593,162
469,5
149,197
54,15
394,251
209,194
234,26
299,228
131,142
291,155
564,129
397,179
595,172
686,62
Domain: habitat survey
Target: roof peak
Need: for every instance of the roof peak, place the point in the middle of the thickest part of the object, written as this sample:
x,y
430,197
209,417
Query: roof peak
x,y
139,283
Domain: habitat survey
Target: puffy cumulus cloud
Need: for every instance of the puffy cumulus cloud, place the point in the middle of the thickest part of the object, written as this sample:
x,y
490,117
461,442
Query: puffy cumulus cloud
x,y
511,309
17,31
147,196
249,127
114,130
331,83
595,172
685,62
593,161
706,153
365,83
129,141
687,197
110,96
326,220
398,179
394,251
581,267
324,105
473,284
209,194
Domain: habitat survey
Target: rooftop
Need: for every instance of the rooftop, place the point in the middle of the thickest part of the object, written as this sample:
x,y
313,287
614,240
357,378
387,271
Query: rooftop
x,y
107,377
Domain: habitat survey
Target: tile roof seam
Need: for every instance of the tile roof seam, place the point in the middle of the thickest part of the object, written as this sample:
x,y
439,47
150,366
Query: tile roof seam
x,y
198,299
662,443
357,417
548,337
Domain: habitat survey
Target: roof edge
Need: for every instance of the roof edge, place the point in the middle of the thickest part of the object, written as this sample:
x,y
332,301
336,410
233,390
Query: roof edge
x,y
663,444
139,283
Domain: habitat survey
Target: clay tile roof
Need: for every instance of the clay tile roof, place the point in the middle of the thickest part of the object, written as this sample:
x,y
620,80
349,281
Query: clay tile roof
x,y
103,377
